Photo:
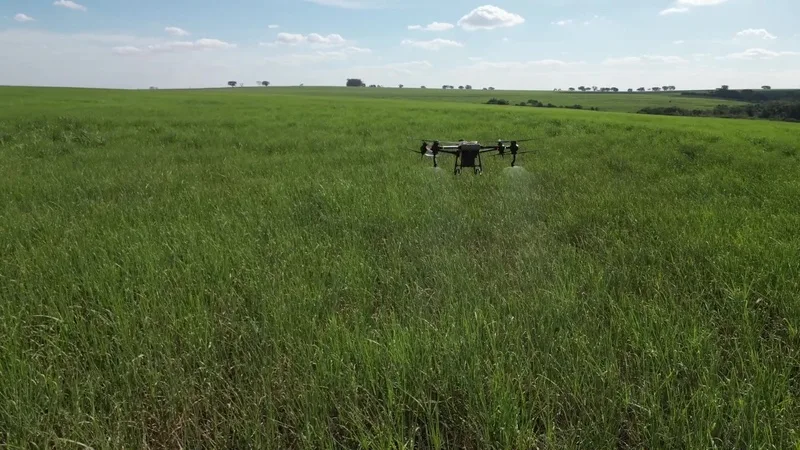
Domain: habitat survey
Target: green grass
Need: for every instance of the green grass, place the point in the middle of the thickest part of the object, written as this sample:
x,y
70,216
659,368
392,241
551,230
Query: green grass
x,y
620,102
234,270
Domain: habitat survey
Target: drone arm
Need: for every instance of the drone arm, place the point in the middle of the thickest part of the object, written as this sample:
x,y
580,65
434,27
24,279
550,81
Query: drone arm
x,y
450,152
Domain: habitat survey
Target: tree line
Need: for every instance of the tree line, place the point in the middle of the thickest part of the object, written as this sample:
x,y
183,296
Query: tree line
x,y
771,110
240,84
615,89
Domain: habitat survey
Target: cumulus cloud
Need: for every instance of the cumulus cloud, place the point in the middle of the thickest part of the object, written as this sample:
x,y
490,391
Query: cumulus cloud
x,y
174,46
434,44
757,33
668,11
69,4
489,17
175,31
679,42
435,26
313,39
23,18
684,6
562,23
273,26
759,53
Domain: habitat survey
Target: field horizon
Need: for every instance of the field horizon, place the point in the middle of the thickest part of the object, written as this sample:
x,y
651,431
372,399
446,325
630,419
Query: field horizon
x,y
274,268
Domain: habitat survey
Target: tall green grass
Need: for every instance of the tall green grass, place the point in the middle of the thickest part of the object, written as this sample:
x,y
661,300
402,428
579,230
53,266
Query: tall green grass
x,y
186,270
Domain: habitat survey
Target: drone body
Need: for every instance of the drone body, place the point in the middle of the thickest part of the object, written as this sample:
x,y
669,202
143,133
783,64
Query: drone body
x,y
468,153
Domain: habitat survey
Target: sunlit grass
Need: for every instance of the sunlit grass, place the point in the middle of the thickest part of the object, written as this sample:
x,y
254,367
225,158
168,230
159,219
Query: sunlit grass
x,y
214,269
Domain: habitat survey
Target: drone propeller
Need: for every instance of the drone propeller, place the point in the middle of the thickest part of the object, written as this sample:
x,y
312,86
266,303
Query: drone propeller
x,y
439,141
515,140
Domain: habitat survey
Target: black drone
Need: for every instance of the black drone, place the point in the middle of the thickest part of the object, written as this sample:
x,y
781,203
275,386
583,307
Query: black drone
x,y
468,153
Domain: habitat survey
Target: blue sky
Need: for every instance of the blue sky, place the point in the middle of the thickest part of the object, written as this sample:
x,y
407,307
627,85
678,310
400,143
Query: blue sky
x,y
519,44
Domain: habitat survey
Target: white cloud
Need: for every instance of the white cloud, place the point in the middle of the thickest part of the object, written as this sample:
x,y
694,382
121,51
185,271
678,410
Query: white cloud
x,y
69,4
174,46
562,23
758,33
434,44
273,26
435,26
489,17
678,42
175,31
636,60
684,6
44,58
314,39
331,39
668,11
23,18
759,53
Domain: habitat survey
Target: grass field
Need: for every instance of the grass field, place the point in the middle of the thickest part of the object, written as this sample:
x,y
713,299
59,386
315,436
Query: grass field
x,y
248,269
620,102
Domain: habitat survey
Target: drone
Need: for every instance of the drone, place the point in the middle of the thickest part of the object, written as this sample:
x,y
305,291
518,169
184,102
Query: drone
x,y
468,153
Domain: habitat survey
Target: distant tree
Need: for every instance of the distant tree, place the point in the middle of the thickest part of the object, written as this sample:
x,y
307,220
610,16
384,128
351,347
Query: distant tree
x,y
613,89
461,87
672,88
582,88
594,88
444,87
232,83
400,86
641,89
484,89
355,82
265,83
766,88
468,87
656,89
630,89
725,87
422,87
572,89
491,88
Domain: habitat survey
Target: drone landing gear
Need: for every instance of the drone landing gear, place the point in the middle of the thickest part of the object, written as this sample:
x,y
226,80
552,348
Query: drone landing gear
x,y
468,159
